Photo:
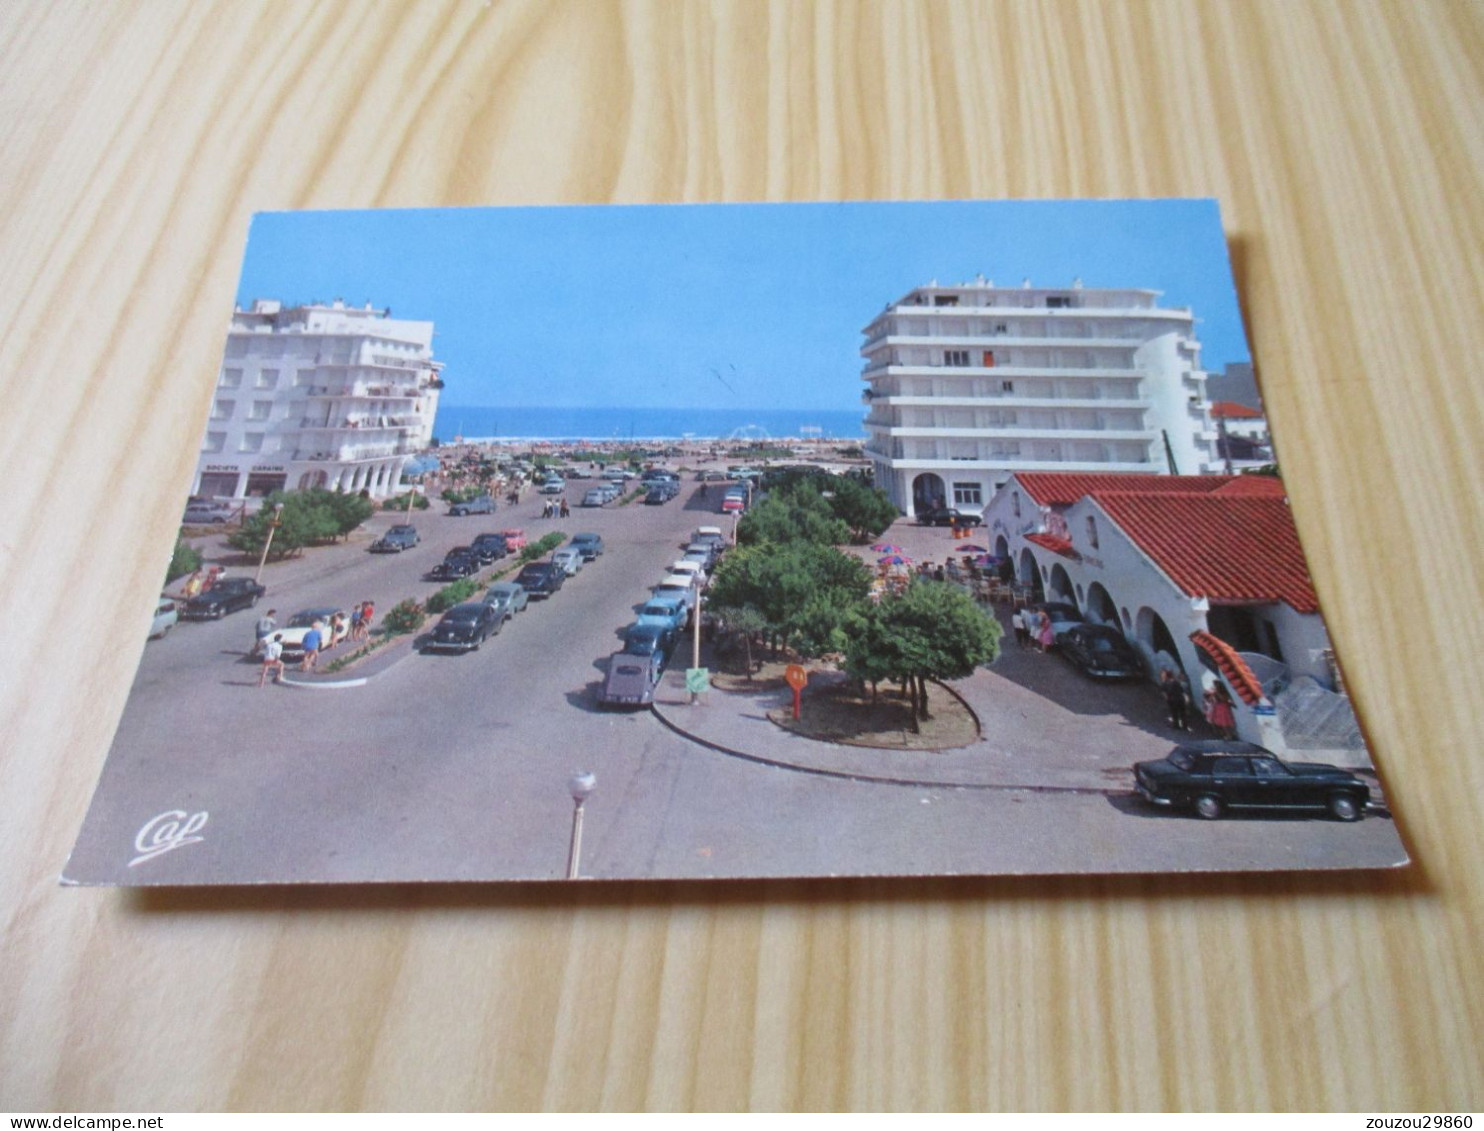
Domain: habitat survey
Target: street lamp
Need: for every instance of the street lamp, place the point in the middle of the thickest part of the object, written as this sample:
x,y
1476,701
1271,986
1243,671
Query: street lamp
x,y
580,787
272,528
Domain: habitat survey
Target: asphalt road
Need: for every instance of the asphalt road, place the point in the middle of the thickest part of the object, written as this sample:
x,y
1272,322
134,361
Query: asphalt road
x,y
455,767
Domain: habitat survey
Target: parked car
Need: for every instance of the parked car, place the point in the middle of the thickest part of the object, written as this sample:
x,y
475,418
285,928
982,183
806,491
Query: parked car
x,y
691,567
459,562
630,681
591,545
166,617
489,547
553,486
570,559
666,611
1101,652
702,552
515,540
464,628
657,496
1064,618
480,504
208,514
947,516
1213,777
733,504
683,585
650,639
292,635
509,597
541,579
398,538
227,596
612,490
596,497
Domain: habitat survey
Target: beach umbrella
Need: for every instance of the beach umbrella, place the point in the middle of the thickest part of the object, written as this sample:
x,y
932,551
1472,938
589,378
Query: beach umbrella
x,y
886,548
970,548
895,559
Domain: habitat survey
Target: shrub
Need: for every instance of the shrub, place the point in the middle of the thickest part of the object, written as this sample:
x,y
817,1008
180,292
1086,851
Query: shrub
x,y
542,546
461,494
403,617
399,502
453,594
186,559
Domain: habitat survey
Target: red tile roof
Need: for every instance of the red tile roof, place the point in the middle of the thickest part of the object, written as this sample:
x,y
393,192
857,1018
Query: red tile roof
x,y
1234,411
1234,546
1231,665
1063,488
1056,545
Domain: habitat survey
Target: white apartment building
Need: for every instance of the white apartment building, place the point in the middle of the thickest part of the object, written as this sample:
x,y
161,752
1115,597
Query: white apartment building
x,y
318,396
969,384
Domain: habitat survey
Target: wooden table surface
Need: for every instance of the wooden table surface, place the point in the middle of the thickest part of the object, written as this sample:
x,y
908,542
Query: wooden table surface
x,y
1343,140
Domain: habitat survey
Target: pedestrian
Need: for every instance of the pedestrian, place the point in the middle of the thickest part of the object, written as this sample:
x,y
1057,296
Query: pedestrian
x,y
312,640
355,622
566,510
1177,699
1044,636
339,629
1219,711
272,659
1017,622
368,611
265,627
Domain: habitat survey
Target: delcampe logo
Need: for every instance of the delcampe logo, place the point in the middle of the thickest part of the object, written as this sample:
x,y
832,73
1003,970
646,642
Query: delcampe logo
x,y
172,829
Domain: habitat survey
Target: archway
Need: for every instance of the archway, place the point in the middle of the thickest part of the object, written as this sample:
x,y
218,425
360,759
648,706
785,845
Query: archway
x,y
312,479
1030,575
1100,607
1061,586
928,492
1156,641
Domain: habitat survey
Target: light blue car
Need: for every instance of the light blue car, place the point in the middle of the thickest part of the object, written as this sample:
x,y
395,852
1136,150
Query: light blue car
x,y
665,611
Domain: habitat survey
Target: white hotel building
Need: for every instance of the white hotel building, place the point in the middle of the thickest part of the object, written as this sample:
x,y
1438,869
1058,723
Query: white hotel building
x,y
318,396
972,383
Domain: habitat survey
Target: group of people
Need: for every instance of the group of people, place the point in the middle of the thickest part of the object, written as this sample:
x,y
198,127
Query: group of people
x,y
556,508
1216,704
200,581
1032,629
322,635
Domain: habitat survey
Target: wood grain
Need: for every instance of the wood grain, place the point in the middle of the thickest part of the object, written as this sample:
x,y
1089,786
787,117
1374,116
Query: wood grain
x,y
1344,142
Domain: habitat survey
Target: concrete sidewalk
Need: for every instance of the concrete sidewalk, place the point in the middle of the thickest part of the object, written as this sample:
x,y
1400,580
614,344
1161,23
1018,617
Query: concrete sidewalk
x,y
1013,753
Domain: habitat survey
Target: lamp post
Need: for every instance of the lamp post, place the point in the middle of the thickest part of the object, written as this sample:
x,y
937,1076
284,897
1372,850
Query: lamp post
x,y
580,787
268,542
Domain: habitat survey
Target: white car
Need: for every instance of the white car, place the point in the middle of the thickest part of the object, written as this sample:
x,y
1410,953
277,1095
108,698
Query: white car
x,y
571,560
293,634
682,584
166,618
694,568
553,487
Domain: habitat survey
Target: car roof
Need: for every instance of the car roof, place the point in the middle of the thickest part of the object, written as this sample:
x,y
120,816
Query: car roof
x,y
467,609
505,587
1223,746
587,537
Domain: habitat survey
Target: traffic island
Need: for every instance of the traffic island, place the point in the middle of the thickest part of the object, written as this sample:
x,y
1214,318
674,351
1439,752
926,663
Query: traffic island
x,y
835,710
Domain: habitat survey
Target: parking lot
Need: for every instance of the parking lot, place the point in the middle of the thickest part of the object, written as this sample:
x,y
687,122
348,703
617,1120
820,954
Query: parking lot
x,y
456,766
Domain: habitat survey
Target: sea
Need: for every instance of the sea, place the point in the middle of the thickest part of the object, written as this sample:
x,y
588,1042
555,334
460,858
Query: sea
x,y
485,422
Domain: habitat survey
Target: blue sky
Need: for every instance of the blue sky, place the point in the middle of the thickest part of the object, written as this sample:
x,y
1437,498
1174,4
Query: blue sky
x,y
755,305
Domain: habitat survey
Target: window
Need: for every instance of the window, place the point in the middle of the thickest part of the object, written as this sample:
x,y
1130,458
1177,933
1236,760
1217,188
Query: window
x,y
945,300
1015,502
1007,386
1092,531
956,357
223,409
989,359
1056,302
251,442
968,494
1000,328
236,347
231,378
215,442
268,379
260,410
303,378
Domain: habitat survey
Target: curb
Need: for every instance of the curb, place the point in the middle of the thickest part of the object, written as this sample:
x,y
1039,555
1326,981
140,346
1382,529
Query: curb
x,y
871,779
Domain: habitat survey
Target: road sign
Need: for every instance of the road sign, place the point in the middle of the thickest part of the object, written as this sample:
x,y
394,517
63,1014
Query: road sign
x,y
796,676
697,680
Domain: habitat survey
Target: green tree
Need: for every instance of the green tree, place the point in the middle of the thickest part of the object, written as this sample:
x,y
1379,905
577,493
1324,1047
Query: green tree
x,y
741,625
934,630
307,517
867,511
792,513
185,559
798,588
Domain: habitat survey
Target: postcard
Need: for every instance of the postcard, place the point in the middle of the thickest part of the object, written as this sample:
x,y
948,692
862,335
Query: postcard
x,y
730,541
